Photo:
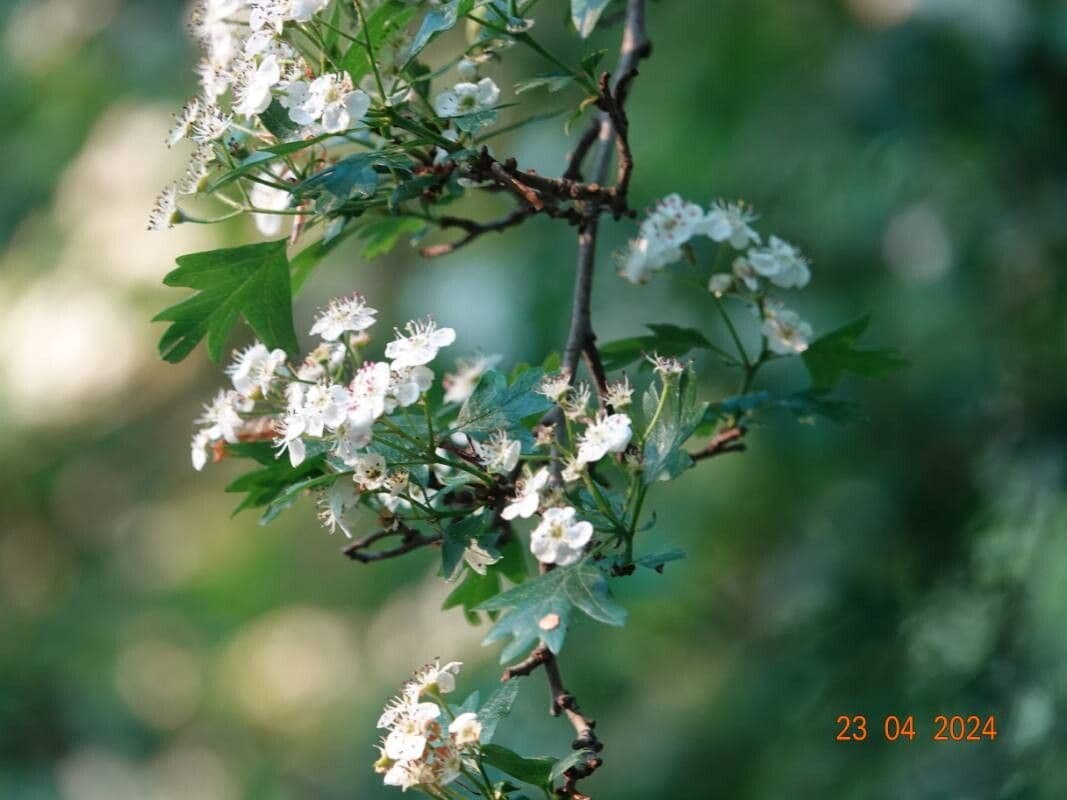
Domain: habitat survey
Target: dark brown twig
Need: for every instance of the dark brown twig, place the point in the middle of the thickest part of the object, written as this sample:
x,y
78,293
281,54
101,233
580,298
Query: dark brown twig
x,y
410,539
725,441
473,231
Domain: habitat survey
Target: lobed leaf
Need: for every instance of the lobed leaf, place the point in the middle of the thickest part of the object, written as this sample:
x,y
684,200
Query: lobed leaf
x,y
586,13
833,355
666,340
496,405
671,422
250,281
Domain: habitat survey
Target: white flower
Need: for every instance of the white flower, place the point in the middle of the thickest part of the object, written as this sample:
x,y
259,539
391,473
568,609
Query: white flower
x,y
421,344
575,402
350,440
467,98
467,69
324,407
665,366
720,283
433,679
165,213
253,93
559,538
528,496
344,314
619,394
304,10
338,499
408,384
222,415
572,471
607,434
728,222
478,557
367,392
197,170
781,263
499,453
672,223
330,99
645,256
183,122
746,273
199,447
211,125
407,740
253,369
291,426
327,356
787,334
465,729
272,199
554,387
460,384
369,471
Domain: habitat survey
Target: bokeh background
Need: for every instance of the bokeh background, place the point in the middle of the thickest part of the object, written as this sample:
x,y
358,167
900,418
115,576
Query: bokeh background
x,y
915,563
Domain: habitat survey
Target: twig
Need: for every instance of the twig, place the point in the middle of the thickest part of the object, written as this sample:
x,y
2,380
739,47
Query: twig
x,y
473,230
725,441
411,539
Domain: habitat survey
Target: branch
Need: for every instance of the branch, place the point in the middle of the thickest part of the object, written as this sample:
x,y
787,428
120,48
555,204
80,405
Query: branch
x,y
473,230
725,441
410,539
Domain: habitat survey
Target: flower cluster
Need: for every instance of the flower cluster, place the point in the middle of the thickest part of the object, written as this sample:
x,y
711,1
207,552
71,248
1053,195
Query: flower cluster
x,y
426,744
269,75
675,221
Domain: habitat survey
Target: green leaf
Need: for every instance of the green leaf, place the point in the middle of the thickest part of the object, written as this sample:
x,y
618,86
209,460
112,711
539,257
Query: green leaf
x,y
260,158
535,771
655,561
592,61
437,21
666,340
292,493
553,81
250,281
266,485
496,708
565,763
541,607
384,24
833,355
355,176
455,541
495,405
802,405
304,262
276,120
586,13
671,425
383,234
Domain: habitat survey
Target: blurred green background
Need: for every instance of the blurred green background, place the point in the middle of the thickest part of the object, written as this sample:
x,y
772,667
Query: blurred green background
x,y
916,563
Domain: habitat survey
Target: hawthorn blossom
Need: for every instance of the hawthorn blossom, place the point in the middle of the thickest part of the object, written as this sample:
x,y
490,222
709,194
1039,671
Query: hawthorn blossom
x,y
728,222
465,729
349,439
672,223
560,537
344,314
199,447
329,100
607,434
619,394
222,416
787,334
407,385
253,369
576,401
720,283
665,366
253,92
499,453
165,213
326,356
420,345
746,273
527,496
290,428
407,739
645,256
467,98
369,471
367,392
334,503
554,387
434,678
183,122
211,124
460,384
197,170
269,198
781,263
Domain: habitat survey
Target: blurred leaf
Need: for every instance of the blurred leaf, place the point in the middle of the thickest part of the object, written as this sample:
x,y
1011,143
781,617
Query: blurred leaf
x,y
436,21
304,262
455,541
553,81
250,281
655,561
355,176
586,13
592,61
384,24
565,763
260,158
497,707
292,493
535,771
383,234
539,609
671,425
276,120
833,355
494,405
666,340
266,485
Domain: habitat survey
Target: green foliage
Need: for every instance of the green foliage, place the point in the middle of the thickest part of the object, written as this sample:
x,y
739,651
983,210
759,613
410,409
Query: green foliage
x,y
384,25
436,21
665,340
833,355
276,481
539,609
586,13
536,771
674,415
382,234
496,405
353,177
802,405
250,281
496,708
